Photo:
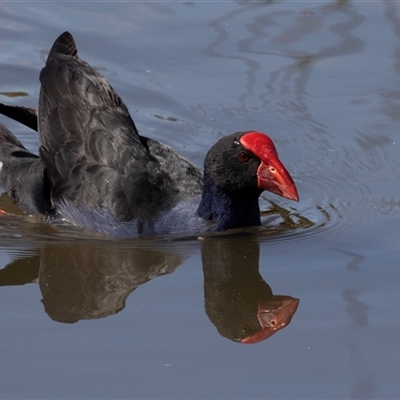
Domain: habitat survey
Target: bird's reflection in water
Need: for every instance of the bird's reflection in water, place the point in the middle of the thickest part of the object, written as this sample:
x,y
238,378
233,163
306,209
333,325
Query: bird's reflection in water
x,y
90,280
86,283
238,301
93,279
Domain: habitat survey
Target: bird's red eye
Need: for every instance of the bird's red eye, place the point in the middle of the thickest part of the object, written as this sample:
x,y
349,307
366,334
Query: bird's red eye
x,y
243,157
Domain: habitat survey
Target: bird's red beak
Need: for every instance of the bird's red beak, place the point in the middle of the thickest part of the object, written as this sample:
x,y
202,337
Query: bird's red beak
x,y
271,174
275,178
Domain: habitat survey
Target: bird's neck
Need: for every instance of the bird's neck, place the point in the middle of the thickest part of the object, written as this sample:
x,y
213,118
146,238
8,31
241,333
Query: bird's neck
x,y
228,210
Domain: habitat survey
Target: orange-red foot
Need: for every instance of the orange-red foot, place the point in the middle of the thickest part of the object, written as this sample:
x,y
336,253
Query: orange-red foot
x,y
2,212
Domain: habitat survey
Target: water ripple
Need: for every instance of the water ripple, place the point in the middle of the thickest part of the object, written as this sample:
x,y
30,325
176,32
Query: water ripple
x,y
334,198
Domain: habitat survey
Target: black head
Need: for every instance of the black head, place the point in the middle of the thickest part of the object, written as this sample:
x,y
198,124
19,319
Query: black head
x,y
236,170
230,167
248,162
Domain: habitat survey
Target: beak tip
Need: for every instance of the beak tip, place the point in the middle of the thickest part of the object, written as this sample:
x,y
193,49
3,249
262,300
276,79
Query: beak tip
x,y
291,193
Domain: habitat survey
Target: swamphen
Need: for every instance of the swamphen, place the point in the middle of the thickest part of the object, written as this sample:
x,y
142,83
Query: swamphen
x,y
95,171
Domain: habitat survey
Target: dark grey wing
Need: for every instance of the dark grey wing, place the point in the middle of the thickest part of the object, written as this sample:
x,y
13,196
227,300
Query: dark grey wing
x,y
23,175
94,155
181,170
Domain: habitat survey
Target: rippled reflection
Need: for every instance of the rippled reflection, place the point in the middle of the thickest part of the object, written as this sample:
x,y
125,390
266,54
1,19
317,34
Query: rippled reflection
x,y
81,281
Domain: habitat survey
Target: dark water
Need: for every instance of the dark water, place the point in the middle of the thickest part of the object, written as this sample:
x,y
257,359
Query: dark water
x,y
159,318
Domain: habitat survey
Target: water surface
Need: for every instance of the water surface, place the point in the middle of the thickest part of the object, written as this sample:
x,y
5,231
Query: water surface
x,y
88,317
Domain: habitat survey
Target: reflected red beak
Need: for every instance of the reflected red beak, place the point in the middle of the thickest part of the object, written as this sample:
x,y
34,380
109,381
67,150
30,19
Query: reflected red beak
x,y
271,321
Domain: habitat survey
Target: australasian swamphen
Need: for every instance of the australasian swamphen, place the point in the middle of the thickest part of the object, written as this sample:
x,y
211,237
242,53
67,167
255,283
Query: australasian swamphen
x,y
95,170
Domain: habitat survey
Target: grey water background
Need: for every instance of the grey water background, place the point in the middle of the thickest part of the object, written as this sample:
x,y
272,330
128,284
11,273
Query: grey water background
x,y
322,78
